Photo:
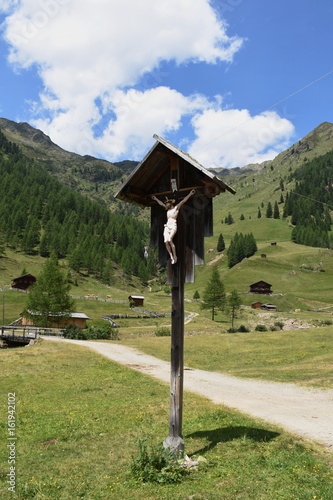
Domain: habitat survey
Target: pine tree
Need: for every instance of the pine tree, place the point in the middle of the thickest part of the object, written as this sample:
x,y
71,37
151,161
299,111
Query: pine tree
x,y
214,294
233,304
220,244
49,294
229,219
143,272
276,213
259,213
269,210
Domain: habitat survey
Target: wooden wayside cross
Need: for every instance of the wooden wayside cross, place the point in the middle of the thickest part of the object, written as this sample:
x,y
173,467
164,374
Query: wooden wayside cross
x,y
167,173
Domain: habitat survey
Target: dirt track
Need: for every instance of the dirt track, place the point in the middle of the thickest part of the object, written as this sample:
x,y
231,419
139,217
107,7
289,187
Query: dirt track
x,y
305,412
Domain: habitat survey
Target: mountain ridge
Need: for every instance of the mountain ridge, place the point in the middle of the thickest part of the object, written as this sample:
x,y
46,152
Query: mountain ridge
x,y
82,173
99,179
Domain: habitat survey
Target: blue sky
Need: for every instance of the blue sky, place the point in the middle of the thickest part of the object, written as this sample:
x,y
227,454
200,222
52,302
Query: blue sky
x,y
231,82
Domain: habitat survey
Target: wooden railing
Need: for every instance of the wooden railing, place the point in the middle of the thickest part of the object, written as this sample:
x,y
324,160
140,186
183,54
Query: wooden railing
x,y
27,332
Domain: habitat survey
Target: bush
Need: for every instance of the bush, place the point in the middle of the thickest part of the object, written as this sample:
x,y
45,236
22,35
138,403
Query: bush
x,y
325,322
232,330
243,329
156,464
73,332
104,332
163,331
279,324
261,328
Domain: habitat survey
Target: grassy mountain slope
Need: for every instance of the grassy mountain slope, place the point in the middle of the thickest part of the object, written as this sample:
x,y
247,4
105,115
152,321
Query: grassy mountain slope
x,y
300,276
94,177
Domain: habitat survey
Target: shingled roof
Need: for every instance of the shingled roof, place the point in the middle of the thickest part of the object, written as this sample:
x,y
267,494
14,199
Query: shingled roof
x,y
140,184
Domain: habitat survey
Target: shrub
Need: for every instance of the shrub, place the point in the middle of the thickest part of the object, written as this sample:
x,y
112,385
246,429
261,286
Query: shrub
x,y
279,324
73,332
232,330
243,329
163,331
104,332
156,464
261,328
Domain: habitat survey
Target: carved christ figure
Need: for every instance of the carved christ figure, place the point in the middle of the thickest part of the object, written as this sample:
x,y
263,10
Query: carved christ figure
x,y
170,228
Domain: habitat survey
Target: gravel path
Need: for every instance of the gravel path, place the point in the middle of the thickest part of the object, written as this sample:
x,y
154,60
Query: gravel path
x,y
306,412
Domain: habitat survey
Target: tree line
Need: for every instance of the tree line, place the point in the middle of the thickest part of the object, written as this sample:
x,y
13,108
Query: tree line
x,y
40,215
310,203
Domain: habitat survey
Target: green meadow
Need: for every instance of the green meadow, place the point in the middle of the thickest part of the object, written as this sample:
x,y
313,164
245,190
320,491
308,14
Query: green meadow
x,y
303,357
79,416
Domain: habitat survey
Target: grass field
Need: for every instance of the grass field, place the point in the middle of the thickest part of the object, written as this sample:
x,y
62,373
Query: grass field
x,y
304,356
79,416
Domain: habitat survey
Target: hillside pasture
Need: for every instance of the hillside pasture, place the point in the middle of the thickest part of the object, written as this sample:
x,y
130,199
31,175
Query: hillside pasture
x,y
79,417
303,356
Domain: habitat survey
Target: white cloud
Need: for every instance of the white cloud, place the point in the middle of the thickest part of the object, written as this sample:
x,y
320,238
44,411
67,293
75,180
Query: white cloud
x,y
141,114
234,138
91,50
90,55
7,5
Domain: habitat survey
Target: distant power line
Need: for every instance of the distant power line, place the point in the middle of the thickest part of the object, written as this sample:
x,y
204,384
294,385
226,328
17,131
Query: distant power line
x,y
312,199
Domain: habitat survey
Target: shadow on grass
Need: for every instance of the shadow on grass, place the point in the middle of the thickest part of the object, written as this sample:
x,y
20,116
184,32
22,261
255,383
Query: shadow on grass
x,y
225,434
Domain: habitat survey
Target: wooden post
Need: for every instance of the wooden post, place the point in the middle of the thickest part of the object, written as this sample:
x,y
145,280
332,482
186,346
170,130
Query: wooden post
x,y
175,439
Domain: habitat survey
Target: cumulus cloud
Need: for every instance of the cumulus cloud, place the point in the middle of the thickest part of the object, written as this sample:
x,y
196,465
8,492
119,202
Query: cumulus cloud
x,y
88,52
234,138
93,56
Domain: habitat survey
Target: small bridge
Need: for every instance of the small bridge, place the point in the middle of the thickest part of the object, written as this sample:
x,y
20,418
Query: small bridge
x,y
15,336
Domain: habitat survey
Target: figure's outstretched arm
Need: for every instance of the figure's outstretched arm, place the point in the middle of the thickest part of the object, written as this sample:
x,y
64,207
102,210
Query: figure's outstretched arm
x,y
158,201
181,203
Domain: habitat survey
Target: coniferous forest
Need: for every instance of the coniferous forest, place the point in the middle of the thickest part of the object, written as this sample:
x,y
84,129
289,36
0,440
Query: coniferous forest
x,y
311,201
40,215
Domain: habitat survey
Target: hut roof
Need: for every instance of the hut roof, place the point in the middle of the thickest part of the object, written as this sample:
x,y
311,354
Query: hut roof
x,y
261,283
141,181
27,275
77,315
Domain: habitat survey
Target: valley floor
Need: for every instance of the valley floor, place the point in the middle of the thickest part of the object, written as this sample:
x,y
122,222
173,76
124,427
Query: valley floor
x,y
305,412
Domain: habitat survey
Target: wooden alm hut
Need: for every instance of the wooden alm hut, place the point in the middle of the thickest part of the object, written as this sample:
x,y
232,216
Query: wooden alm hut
x,y
23,282
57,321
168,172
137,300
261,287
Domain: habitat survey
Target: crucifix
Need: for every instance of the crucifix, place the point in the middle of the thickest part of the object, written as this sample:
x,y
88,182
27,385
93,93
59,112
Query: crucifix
x,y
187,188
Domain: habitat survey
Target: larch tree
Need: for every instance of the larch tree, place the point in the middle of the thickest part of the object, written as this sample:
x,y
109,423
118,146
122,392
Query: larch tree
x,y
49,295
269,210
233,305
214,295
220,244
